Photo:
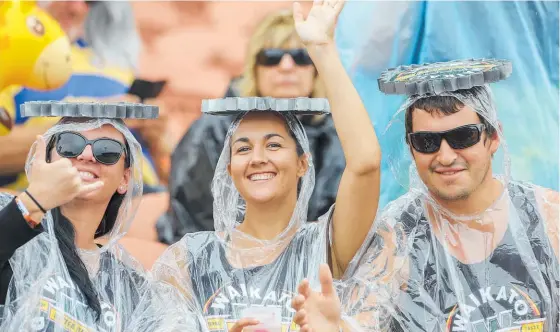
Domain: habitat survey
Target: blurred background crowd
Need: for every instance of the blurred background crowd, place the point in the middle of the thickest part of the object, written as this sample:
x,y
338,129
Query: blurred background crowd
x,y
174,54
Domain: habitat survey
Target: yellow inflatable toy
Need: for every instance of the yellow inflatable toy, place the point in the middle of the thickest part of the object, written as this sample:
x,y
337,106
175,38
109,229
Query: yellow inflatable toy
x,y
34,51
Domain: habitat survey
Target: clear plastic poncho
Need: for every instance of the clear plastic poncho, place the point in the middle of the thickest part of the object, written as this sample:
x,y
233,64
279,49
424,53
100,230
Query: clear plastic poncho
x,y
507,279
223,273
42,295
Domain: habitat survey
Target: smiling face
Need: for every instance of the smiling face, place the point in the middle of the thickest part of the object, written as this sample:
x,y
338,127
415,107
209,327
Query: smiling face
x,y
115,177
453,174
265,165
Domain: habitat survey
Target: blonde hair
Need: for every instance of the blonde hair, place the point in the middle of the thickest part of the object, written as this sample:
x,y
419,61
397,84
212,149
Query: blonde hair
x,y
275,31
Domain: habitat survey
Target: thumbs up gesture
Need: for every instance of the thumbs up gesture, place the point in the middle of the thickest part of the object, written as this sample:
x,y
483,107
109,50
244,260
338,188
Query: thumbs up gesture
x,y
56,183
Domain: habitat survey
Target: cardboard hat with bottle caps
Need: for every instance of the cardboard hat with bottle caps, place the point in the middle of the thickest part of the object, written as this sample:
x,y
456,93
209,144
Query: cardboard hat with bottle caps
x,y
240,105
438,77
120,110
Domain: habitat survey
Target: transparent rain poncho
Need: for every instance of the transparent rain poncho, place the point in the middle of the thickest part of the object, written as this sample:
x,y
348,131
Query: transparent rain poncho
x,y
408,278
42,296
225,272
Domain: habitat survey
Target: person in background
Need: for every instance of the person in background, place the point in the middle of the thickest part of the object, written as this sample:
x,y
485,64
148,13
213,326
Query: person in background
x,y
277,65
105,58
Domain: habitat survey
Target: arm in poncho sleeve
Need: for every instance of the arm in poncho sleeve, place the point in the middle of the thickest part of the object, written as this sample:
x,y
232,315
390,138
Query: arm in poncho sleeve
x,y
358,192
14,233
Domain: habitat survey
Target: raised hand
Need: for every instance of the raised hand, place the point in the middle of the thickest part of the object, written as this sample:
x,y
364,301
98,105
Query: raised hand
x,y
317,312
319,26
56,183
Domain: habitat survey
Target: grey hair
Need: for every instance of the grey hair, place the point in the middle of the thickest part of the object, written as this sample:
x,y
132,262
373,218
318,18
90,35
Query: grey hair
x,y
110,30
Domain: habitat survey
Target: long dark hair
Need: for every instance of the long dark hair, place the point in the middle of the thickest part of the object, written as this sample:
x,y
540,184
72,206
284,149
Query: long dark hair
x,y
66,236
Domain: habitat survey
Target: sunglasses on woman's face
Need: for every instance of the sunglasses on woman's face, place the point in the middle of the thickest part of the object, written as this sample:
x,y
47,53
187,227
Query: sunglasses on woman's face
x,y
273,56
458,138
106,151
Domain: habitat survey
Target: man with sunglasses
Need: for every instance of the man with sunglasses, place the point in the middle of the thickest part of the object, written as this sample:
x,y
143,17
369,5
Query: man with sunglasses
x,y
472,249
467,248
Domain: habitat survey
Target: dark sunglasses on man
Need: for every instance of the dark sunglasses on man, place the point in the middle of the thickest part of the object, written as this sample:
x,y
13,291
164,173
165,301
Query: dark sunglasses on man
x,y
273,56
458,138
70,144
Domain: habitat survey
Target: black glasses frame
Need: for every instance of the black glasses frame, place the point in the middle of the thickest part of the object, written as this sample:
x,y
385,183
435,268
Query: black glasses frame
x,y
273,56
438,136
89,142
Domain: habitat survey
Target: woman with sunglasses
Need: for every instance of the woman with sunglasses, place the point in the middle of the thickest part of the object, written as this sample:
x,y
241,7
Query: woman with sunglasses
x,y
60,264
244,274
276,65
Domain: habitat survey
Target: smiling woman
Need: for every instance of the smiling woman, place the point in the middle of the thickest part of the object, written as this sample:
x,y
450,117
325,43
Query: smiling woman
x,y
263,246
85,185
266,158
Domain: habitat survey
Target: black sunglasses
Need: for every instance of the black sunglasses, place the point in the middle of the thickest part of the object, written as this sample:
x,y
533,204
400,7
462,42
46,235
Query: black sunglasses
x,y
458,138
106,151
273,56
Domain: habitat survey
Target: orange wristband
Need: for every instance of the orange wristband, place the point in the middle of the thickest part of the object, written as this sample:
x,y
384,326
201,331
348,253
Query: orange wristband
x,y
26,215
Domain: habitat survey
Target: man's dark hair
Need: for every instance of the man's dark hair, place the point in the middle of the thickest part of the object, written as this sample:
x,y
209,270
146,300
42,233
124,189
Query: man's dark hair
x,y
445,105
